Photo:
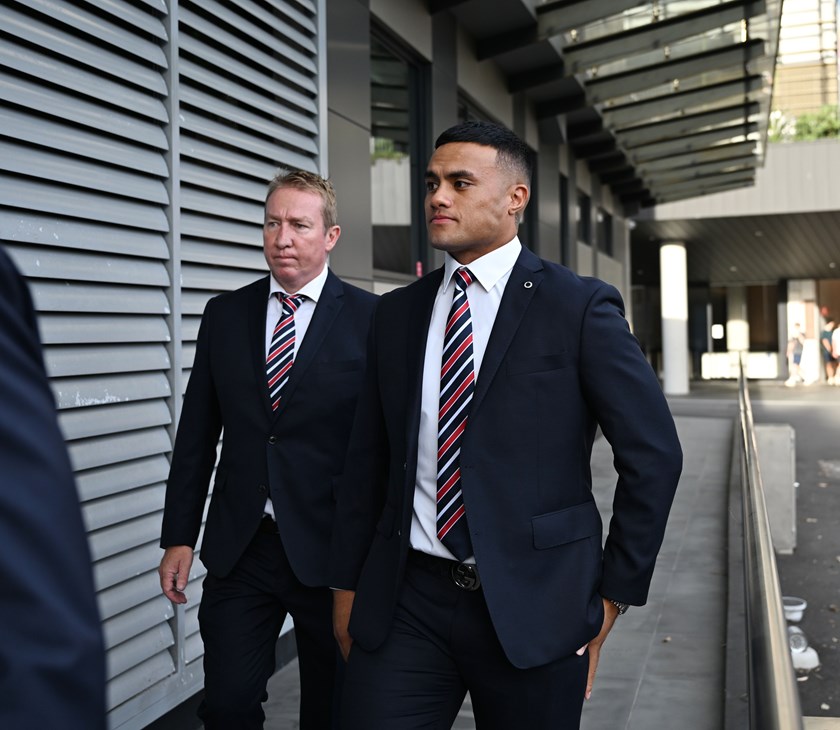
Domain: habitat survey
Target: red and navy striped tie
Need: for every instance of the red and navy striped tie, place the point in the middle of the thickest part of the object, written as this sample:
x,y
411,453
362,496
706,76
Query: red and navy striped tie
x,y
457,382
281,351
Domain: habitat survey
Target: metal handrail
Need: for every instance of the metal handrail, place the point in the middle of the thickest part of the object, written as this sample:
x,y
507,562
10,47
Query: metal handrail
x,y
773,695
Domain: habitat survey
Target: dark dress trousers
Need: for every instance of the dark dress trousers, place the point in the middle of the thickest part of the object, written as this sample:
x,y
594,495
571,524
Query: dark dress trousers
x,y
294,455
560,361
52,661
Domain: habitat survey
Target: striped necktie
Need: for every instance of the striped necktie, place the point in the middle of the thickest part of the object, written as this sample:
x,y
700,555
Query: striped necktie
x,y
281,351
457,382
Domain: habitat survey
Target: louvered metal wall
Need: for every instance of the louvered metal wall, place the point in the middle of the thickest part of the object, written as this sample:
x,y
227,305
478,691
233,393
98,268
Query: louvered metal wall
x,y
136,139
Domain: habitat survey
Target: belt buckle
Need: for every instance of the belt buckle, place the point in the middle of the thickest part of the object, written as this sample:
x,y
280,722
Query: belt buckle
x,y
465,576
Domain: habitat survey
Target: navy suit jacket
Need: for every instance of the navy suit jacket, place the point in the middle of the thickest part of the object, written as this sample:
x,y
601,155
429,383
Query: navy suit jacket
x,y
52,662
295,454
560,361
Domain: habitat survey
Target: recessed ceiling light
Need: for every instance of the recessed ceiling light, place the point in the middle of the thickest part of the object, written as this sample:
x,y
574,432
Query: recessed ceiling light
x,y
733,268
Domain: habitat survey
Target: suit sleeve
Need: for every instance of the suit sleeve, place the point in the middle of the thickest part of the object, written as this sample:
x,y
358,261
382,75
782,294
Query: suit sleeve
x,y
361,492
194,454
626,397
52,662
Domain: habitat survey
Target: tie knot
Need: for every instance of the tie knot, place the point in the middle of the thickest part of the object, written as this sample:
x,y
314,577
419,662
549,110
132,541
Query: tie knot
x,y
463,278
290,302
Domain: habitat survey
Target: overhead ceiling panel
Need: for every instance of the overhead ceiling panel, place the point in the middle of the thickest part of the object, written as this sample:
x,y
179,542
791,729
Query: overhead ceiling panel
x,y
631,84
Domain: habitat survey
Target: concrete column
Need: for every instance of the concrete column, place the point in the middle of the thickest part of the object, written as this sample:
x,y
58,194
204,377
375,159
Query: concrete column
x,y
737,323
674,288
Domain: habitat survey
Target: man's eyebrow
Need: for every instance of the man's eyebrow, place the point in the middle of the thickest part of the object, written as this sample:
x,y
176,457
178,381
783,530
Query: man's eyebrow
x,y
451,175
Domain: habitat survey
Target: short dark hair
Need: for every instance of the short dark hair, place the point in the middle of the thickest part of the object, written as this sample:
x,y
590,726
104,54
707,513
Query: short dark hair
x,y
312,183
511,152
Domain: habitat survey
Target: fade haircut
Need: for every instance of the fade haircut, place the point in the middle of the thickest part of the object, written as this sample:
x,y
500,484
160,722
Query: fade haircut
x,y
512,153
310,182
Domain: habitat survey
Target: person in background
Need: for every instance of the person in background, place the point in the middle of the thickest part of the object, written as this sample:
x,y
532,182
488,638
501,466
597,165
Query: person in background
x,y
52,660
278,367
795,347
829,360
467,552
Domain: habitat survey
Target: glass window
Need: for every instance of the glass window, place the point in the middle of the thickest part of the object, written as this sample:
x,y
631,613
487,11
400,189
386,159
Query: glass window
x,y
395,146
605,232
584,218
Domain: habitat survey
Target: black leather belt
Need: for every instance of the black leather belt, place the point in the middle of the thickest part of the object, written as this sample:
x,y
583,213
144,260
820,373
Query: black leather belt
x,y
268,525
463,575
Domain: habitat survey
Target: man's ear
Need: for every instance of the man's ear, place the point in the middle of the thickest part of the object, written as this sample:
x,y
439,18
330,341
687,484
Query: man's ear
x,y
519,196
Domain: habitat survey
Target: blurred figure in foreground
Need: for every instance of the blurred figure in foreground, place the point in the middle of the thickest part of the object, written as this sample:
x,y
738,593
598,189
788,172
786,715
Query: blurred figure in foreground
x,y
52,662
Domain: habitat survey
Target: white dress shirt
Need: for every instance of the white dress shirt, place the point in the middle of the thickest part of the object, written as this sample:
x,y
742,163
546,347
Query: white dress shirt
x,y
303,316
491,273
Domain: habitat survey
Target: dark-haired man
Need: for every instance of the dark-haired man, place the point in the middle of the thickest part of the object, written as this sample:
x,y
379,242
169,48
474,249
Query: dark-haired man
x,y
467,539
278,366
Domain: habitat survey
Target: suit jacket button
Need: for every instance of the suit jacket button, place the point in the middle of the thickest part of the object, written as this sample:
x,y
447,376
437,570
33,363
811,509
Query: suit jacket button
x,y
272,440
262,489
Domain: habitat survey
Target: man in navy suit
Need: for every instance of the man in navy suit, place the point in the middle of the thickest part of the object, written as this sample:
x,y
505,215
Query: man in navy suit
x,y
52,662
467,540
278,367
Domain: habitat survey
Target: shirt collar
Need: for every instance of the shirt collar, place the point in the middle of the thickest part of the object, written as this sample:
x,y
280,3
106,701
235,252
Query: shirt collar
x,y
487,269
311,290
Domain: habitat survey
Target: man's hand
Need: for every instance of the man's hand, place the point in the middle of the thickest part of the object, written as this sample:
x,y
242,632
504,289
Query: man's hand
x,y
342,608
594,646
174,572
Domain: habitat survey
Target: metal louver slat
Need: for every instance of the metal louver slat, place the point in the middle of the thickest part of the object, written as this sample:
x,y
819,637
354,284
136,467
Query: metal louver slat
x,y
74,79
199,125
71,139
46,263
194,149
38,99
95,25
138,649
80,204
207,277
223,206
234,187
97,391
87,236
96,483
279,81
80,423
76,329
122,447
129,593
241,257
136,620
67,361
138,678
110,571
200,226
122,507
255,123
93,176
258,35
91,51
58,297
124,536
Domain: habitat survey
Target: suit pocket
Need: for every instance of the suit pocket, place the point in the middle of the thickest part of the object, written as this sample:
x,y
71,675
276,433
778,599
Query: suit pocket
x,y
539,364
566,525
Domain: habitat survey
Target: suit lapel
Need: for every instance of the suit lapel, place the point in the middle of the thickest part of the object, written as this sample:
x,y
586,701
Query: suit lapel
x,y
256,314
525,278
329,305
419,318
